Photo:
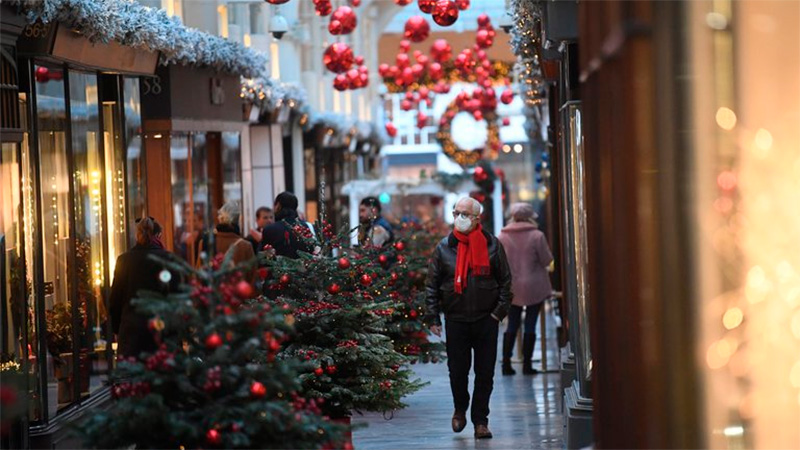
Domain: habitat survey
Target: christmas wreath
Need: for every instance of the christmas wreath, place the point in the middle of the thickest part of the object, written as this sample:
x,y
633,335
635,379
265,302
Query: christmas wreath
x,y
481,109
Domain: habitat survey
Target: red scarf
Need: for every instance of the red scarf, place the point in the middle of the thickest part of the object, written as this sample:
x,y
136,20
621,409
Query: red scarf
x,y
472,253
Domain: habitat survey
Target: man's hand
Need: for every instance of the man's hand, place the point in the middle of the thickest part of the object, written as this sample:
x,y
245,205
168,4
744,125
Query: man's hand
x,y
437,330
256,235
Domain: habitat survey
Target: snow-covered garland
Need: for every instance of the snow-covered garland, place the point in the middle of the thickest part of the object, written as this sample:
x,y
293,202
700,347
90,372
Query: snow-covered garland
x,y
269,94
134,25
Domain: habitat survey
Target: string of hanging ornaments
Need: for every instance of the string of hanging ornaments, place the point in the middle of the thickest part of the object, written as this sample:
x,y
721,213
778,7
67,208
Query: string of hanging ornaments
x,y
351,73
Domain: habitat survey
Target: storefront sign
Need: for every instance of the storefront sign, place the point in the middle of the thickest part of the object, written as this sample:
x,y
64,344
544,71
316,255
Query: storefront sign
x,y
178,92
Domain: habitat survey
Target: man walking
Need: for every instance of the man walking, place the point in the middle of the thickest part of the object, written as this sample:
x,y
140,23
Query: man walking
x,y
470,282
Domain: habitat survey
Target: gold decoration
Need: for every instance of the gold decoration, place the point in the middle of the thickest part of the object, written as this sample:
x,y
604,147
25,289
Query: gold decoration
x,y
467,157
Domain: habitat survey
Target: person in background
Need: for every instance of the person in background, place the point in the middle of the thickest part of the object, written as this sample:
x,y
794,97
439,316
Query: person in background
x,y
192,240
373,228
264,217
470,282
281,235
227,238
135,271
530,258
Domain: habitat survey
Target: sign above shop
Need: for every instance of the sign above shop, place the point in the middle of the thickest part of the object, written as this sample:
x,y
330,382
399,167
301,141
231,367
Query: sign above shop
x,y
59,42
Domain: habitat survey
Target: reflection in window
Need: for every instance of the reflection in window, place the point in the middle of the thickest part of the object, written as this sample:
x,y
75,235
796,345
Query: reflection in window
x,y
231,168
132,150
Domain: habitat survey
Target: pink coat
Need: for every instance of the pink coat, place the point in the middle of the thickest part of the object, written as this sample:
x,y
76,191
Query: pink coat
x,y
528,256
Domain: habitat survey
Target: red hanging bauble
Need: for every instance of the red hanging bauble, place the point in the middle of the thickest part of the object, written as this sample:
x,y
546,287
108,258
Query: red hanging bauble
x,y
402,60
426,6
318,371
353,79
405,45
244,289
441,50
507,96
483,20
406,105
402,2
483,39
363,77
463,5
213,437
399,246
445,12
383,70
506,121
343,263
417,70
334,289
257,390
416,29
391,130
366,280
42,74
323,8
276,2
347,20
331,370
338,57
334,27
423,59
383,259
340,82
355,3
213,341
359,60
422,120
413,314
435,71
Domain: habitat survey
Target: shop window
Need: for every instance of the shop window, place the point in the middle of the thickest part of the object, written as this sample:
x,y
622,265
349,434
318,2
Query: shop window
x,y
132,150
231,168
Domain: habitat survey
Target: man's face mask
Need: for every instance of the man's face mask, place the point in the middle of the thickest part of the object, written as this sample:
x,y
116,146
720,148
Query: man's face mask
x,y
463,223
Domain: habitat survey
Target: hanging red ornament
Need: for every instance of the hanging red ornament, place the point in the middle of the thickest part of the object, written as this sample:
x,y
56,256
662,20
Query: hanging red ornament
x,y
276,2
507,96
426,6
334,289
506,121
416,29
405,45
478,115
323,8
483,20
402,2
435,71
394,276
285,279
318,371
213,437
335,27
417,70
338,57
402,60
347,20
343,263
331,370
423,59
353,79
413,314
359,60
399,246
257,390
463,5
340,82
406,105
391,130
366,280
244,289
441,50
355,3
483,39
422,120
424,92
213,341
409,96
445,12
383,70
42,74
263,273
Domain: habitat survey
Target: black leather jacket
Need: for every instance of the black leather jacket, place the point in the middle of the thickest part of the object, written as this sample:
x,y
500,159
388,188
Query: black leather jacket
x,y
483,295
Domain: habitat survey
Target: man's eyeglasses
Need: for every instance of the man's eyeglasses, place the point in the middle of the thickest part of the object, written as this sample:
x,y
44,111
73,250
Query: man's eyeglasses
x,y
463,214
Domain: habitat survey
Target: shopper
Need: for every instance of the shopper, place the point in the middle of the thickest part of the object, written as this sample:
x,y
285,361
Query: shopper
x,y
281,235
470,282
227,238
529,258
264,217
373,228
137,270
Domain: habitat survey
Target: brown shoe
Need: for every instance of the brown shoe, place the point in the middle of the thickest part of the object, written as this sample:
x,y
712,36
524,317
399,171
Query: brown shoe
x,y
482,432
459,421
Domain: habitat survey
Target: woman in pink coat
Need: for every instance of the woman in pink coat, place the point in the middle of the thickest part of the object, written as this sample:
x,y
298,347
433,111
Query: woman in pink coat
x,y
529,258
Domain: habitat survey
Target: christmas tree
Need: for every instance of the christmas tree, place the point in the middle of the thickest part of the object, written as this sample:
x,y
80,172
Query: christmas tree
x,y
215,381
340,306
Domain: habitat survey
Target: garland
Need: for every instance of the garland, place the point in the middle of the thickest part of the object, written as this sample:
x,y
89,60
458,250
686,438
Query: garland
x,y
468,157
134,25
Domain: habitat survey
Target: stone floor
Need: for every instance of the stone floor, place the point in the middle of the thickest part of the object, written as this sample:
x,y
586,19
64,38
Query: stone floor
x,y
525,414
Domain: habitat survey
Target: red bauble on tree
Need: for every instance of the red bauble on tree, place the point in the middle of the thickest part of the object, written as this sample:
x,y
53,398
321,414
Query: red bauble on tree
x,y
213,437
344,263
245,289
399,246
338,57
413,314
383,259
483,20
366,280
258,390
318,371
345,19
391,130
285,279
506,121
334,289
355,3
426,6
484,39
441,50
417,29
445,12
213,341
340,82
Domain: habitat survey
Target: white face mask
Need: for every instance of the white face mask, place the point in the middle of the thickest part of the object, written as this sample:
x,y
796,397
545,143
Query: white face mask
x,y
463,224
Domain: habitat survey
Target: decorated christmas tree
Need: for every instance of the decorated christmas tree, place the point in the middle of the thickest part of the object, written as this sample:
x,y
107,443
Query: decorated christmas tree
x,y
215,381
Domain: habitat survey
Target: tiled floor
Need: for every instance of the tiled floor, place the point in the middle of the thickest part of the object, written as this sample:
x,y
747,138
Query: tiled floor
x,y
525,414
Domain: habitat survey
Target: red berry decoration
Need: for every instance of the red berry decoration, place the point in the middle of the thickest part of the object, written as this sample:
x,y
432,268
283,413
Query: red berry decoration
x,y
416,29
331,370
338,57
245,289
413,314
318,371
426,6
258,390
213,437
285,279
344,263
345,19
399,246
334,289
213,341
445,12
366,280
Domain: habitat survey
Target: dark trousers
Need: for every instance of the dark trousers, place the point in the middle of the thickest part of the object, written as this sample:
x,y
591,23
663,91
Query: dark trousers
x,y
515,317
462,339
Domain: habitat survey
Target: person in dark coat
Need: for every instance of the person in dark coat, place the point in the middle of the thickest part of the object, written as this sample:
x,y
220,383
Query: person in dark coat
x,y
281,235
136,271
470,282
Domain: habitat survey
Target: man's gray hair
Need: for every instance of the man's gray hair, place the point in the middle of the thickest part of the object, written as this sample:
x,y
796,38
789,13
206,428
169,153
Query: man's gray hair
x,y
229,213
477,208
